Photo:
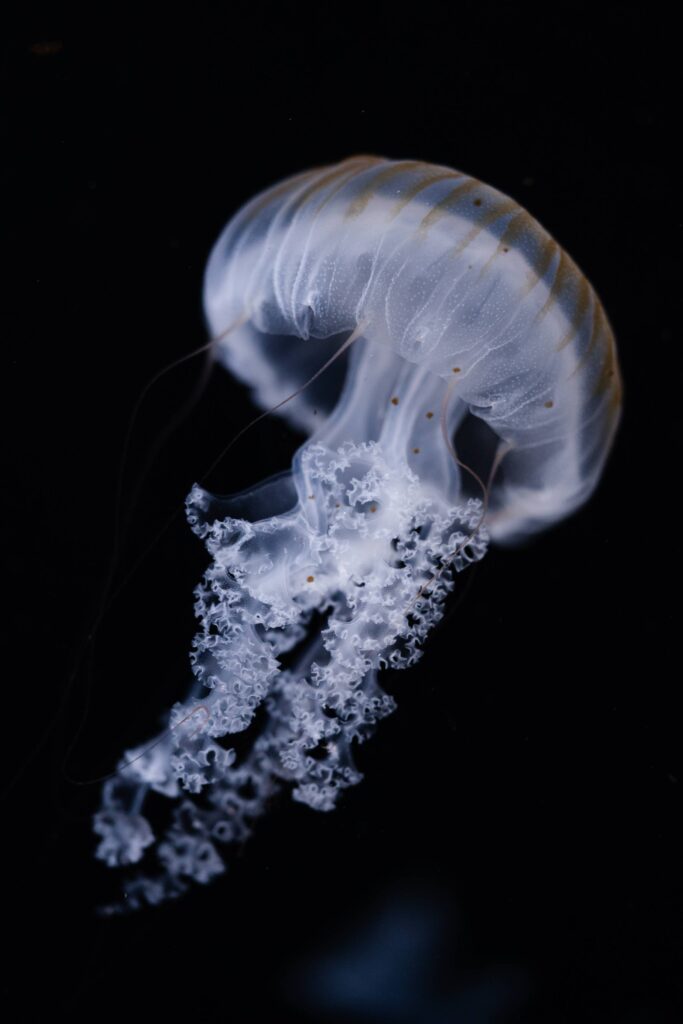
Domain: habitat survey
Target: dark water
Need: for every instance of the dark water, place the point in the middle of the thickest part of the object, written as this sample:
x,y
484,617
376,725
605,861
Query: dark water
x,y
514,851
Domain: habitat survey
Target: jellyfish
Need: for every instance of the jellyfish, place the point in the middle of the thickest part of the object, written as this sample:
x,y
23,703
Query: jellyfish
x,y
456,377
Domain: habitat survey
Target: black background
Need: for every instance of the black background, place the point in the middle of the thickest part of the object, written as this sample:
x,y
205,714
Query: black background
x,y
529,784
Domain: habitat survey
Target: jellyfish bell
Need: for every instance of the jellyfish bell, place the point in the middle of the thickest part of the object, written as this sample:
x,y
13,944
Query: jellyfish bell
x,y
384,308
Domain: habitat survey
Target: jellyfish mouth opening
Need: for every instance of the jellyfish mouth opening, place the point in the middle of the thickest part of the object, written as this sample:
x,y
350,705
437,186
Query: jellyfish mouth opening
x,y
370,391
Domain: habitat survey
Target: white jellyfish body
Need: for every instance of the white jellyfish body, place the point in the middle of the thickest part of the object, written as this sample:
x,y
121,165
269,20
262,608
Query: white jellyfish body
x,y
323,576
